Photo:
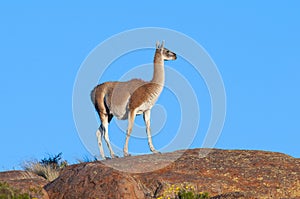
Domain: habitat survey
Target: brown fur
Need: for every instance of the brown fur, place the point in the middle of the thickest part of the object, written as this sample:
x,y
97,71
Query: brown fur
x,y
148,92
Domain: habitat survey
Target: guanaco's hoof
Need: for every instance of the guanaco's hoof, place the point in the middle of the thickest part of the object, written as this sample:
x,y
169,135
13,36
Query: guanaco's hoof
x,y
113,157
127,154
156,152
116,156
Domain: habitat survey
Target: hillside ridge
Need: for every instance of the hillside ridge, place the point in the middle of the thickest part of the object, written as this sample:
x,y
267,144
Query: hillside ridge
x,y
221,173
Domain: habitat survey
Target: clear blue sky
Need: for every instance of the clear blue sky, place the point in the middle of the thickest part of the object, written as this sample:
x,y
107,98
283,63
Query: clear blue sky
x,y
255,45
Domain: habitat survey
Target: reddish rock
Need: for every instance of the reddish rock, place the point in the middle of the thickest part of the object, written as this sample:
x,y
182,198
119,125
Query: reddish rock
x,y
25,182
221,173
93,180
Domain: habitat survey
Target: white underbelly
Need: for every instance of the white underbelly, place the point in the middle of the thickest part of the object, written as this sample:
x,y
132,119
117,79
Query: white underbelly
x,y
144,107
120,111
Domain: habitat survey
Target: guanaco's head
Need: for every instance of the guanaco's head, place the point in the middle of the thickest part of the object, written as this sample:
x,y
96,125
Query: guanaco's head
x,y
164,52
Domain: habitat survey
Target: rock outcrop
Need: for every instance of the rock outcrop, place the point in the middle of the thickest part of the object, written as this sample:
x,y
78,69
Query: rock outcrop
x,y
221,173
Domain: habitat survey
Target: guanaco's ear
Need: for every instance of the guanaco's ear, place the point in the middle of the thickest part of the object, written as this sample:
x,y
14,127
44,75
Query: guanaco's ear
x,y
157,44
162,44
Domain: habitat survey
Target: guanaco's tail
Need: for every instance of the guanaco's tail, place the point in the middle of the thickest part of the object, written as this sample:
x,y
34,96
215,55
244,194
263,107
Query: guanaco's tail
x,y
97,97
93,95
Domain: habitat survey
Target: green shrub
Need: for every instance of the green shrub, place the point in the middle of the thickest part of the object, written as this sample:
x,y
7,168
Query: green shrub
x,y
7,192
55,161
182,191
187,194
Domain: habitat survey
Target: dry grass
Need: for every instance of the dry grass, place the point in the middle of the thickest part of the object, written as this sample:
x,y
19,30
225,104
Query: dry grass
x,y
46,171
49,168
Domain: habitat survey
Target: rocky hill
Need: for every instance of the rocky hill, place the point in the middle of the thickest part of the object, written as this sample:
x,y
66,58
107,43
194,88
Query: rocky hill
x,y
221,173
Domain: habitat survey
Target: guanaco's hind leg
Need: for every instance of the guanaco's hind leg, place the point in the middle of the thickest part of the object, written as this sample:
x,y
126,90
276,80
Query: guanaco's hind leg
x,y
148,130
99,134
131,117
103,132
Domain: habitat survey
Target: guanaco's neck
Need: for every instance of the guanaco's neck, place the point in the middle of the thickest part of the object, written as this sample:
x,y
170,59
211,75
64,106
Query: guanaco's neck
x,y
159,72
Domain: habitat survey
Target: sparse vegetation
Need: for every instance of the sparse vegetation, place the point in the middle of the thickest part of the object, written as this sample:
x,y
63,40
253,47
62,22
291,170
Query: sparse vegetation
x,y
49,168
8,192
87,159
183,191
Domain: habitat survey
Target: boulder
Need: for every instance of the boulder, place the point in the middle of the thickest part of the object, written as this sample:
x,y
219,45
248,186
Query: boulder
x,y
221,173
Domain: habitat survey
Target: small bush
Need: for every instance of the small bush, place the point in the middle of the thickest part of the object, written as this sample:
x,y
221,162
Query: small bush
x,y
7,192
183,191
188,194
54,162
49,168
87,159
